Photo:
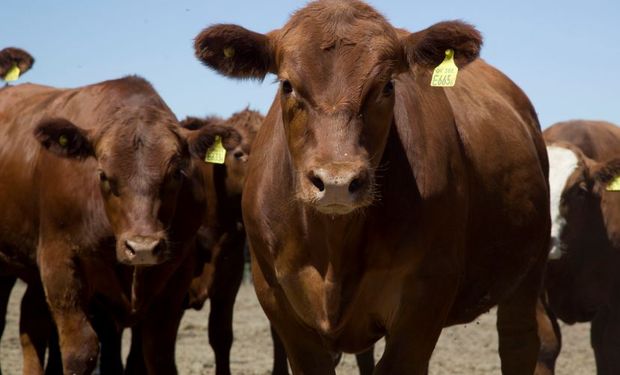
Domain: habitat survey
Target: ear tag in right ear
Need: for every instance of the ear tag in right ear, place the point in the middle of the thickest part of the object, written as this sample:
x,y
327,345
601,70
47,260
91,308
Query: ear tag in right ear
x,y
445,73
12,74
216,153
614,185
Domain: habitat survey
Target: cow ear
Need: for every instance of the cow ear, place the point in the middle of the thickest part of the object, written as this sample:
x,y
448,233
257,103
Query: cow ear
x,y
607,175
63,138
195,123
428,47
201,140
235,52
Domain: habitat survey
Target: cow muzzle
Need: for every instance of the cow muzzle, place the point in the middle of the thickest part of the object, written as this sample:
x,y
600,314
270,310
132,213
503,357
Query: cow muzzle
x,y
337,190
141,250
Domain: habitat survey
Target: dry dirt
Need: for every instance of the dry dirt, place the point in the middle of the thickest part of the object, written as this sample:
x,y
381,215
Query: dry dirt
x,y
468,349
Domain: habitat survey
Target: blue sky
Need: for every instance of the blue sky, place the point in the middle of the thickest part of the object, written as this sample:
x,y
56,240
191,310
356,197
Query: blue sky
x,y
565,55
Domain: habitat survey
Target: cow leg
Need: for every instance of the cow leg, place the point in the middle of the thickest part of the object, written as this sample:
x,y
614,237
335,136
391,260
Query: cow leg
x,y
135,360
280,363
304,347
110,336
78,341
226,283
412,337
34,329
550,339
366,361
6,286
605,337
54,358
519,344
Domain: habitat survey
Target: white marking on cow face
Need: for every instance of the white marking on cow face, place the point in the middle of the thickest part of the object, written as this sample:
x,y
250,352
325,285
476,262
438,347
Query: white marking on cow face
x,y
562,163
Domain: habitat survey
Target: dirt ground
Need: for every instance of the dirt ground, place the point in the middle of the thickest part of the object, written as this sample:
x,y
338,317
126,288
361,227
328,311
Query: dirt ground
x,y
469,349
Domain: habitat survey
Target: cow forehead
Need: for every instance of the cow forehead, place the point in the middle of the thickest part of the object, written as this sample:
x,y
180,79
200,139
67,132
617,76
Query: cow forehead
x,y
347,32
139,148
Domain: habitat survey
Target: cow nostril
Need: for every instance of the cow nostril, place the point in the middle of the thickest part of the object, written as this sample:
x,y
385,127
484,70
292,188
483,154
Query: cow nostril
x,y
129,249
317,182
355,185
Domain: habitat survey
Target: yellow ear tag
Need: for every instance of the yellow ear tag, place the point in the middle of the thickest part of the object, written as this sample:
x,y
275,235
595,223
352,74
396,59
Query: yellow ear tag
x,y
216,153
12,74
229,52
614,185
62,141
445,73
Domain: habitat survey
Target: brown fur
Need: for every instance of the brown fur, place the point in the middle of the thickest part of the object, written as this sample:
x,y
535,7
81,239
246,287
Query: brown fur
x,y
14,56
404,164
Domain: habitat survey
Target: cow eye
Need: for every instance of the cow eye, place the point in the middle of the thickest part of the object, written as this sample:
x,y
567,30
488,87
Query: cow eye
x,y
287,88
388,89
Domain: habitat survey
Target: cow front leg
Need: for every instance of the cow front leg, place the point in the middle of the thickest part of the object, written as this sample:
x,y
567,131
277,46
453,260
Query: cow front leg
x,y
34,329
605,335
63,286
417,324
550,338
226,283
366,361
280,362
6,286
517,327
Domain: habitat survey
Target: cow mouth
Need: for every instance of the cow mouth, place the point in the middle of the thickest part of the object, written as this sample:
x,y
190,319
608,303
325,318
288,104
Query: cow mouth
x,y
335,208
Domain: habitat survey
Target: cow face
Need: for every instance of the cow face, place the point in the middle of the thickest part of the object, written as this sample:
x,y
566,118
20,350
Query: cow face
x,y
338,66
246,123
142,162
584,246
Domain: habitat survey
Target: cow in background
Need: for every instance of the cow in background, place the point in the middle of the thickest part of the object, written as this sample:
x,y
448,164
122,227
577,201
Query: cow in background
x,y
221,239
582,279
101,202
377,205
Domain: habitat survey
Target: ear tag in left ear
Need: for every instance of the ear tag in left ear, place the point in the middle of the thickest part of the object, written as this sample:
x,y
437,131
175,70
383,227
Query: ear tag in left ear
x,y
216,153
614,185
445,73
12,74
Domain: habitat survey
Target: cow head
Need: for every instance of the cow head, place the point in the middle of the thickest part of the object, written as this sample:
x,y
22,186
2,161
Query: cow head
x,y
246,123
585,234
338,64
143,159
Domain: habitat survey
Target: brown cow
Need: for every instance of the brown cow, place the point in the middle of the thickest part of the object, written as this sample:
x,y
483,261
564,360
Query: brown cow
x,y
104,213
222,270
222,237
582,280
376,205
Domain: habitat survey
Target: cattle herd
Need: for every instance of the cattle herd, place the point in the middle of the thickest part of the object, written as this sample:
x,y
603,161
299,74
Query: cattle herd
x,y
374,205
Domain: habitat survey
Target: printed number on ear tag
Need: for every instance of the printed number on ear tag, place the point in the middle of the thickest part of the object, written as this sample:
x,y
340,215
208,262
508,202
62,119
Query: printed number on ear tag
x,y
216,153
445,73
614,185
12,74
